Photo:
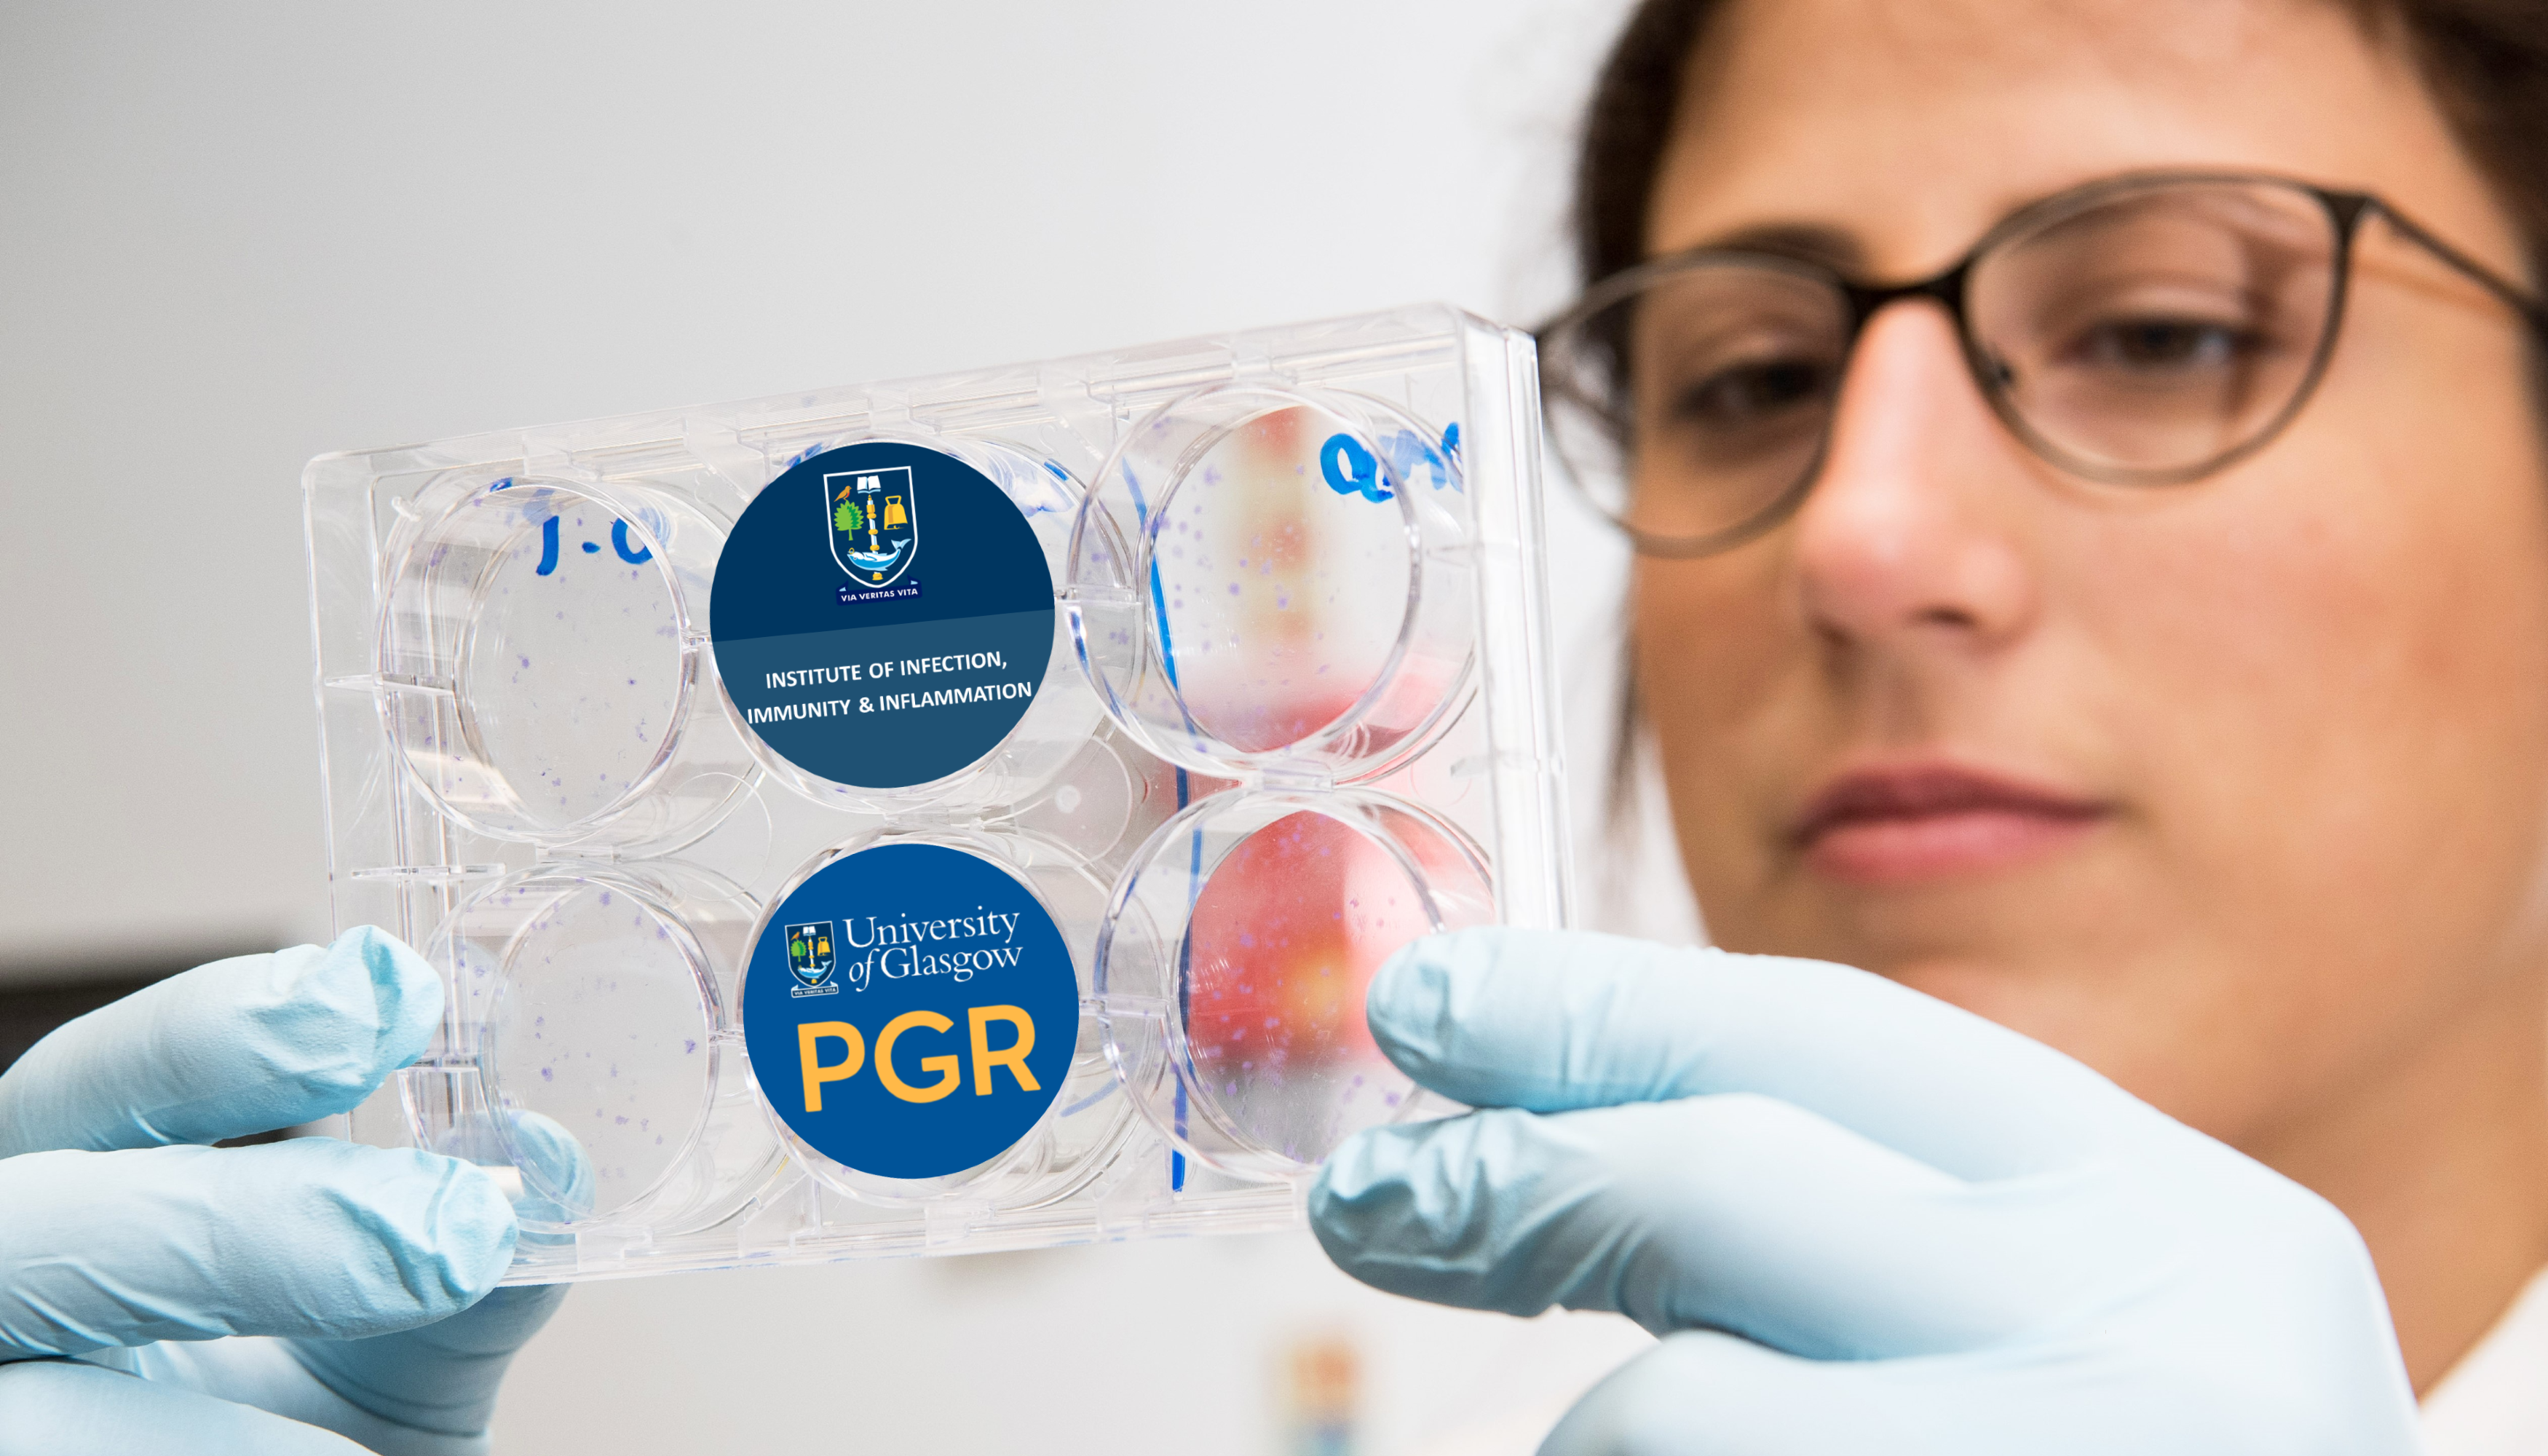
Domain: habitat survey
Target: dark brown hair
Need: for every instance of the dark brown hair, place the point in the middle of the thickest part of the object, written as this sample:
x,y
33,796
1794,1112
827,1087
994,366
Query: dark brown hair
x,y
2485,61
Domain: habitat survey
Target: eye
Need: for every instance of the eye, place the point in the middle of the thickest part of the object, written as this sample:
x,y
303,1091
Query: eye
x,y
2158,344
1751,393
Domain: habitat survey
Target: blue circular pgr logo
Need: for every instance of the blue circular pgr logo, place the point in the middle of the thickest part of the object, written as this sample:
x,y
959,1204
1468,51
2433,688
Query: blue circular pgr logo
x,y
910,1011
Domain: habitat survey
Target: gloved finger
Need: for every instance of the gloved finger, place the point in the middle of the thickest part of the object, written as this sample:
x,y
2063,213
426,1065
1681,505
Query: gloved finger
x,y
442,1377
1731,1212
1706,1394
63,1407
267,1373
309,1237
238,1047
428,1390
1551,1019
556,1172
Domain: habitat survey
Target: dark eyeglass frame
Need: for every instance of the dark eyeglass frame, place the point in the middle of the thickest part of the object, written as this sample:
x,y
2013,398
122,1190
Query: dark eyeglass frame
x,y
2345,212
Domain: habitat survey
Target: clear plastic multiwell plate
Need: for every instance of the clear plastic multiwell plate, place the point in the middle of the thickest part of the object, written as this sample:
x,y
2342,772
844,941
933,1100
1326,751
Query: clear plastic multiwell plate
x,y
945,814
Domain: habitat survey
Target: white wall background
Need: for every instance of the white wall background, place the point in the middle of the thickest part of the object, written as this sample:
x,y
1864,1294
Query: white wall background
x,y
234,236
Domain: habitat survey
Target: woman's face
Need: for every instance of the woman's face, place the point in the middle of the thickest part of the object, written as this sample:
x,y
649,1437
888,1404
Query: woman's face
x,y
2238,789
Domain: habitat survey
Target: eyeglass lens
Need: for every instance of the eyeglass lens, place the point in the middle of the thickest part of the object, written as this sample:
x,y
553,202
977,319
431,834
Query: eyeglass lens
x,y
2143,335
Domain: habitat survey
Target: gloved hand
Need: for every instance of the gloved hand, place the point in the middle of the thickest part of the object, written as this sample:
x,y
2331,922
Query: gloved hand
x,y
240,1300
1862,1219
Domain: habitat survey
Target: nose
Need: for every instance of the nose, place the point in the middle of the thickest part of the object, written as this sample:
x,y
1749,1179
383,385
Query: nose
x,y
1913,537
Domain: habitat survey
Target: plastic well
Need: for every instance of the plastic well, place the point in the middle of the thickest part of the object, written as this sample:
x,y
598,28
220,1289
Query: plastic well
x,y
1268,580
1233,971
591,1031
538,656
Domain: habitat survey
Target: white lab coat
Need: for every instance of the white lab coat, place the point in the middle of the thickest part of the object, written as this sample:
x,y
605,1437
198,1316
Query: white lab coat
x,y
2495,1401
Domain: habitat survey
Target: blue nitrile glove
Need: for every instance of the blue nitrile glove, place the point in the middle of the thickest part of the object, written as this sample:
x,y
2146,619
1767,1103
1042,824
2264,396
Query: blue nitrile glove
x,y
1862,1219
318,1286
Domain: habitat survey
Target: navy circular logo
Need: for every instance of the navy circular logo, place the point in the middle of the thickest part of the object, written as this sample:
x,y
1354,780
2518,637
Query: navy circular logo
x,y
910,1011
882,615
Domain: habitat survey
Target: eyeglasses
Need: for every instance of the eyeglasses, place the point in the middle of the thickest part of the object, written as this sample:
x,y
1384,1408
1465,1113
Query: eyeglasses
x,y
2141,330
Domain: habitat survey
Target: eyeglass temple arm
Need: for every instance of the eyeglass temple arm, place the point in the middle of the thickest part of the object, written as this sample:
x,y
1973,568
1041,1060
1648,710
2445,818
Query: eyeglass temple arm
x,y
2532,311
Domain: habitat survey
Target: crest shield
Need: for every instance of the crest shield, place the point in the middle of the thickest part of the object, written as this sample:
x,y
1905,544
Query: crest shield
x,y
811,955
874,516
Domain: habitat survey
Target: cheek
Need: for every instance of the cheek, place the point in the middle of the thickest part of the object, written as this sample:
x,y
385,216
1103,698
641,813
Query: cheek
x,y
2338,655
1727,678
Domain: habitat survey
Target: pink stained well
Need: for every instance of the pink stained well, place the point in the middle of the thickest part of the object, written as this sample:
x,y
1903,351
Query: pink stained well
x,y
1282,945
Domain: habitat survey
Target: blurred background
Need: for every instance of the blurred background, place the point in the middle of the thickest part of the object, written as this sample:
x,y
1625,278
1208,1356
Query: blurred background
x,y
237,237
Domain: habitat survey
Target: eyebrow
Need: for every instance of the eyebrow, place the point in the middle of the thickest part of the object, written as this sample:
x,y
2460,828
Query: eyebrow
x,y
1807,242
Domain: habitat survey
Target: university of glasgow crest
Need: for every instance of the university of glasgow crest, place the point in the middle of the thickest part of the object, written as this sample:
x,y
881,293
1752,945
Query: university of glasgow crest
x,y
875,520
811,958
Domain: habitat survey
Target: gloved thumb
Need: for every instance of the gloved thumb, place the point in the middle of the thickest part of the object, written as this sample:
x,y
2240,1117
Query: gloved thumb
x,y
1704,1392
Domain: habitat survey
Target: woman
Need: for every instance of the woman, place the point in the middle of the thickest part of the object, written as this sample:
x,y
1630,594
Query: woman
x,y
2133,635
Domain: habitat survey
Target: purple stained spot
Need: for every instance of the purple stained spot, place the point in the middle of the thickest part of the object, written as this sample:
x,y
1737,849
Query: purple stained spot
x,y
548,1074
688,1045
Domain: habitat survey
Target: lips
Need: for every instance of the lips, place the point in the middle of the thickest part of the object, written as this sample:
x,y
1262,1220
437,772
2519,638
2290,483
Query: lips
x,y
1922,822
